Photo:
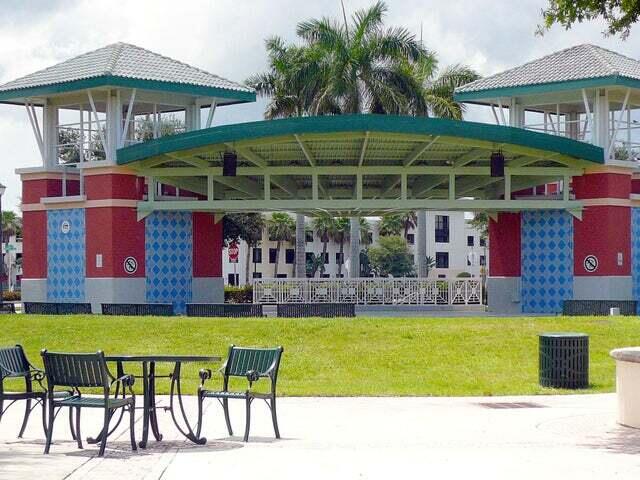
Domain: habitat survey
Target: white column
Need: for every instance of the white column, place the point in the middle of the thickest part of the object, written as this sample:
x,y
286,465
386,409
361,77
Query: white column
x,y
421,243
50,135
601,120
301,258
114,125
516,114
354,261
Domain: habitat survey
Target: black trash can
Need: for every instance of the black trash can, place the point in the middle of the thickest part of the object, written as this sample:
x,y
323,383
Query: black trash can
x,y
564,360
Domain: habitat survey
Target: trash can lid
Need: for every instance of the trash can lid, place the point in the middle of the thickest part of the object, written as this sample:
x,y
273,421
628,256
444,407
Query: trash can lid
x,y
563,334
628,354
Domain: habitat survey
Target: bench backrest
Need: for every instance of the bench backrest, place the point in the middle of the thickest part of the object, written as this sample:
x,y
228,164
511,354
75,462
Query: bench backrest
x,y
265,361
13,362
76,369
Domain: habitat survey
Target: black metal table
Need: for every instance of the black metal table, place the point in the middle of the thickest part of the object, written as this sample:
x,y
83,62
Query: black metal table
x,y
148,377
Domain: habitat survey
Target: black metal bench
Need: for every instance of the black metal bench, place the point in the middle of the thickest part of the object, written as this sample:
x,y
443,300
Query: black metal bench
x,y
55,308
7,307
598,307
327,310
224,310
138,309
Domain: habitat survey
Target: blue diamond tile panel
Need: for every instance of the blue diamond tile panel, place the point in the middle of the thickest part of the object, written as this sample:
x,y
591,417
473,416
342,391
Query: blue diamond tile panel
x,y
547,260
168,251
635,252
65,255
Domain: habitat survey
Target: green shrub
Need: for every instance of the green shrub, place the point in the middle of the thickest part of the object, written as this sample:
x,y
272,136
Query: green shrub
x,y
238,294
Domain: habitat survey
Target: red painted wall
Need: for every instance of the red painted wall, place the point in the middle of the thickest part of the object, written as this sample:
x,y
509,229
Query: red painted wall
x,y
207,246
115,233
504,245
602,185
635,185
34,244
112,186
604,231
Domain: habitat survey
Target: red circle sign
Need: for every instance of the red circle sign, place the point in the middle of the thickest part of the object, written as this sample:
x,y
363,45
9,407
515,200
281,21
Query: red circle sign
x,y
234,251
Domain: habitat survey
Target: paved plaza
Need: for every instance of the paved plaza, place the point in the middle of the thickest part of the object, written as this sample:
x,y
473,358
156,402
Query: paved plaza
x,y
541,437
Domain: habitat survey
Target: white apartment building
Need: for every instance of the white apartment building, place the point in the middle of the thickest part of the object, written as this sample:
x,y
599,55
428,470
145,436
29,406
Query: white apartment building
x,y
12,256
455,247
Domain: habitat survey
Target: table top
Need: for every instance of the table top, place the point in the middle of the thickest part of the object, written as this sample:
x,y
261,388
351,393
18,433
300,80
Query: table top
x,y
162,358
628,354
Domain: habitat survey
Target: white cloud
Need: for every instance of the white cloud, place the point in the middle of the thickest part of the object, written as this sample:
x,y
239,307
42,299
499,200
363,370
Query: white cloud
x,y
226,37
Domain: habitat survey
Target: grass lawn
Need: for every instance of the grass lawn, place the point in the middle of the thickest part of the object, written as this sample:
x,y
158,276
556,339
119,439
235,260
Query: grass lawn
x,y
362,356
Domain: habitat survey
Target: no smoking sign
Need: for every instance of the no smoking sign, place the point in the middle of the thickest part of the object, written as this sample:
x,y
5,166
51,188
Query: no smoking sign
x,y
590,263
130,265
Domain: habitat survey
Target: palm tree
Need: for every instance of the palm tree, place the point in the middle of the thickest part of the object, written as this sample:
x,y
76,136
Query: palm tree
x,y
11,225
323,226
292,80
363,66
409,220
365,231
438,88
391,224
340,233
281,228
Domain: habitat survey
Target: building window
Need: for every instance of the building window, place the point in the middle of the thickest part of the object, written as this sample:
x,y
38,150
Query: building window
x,y
289,255
272,255
257,274
483,242
483,261
257,255
442,276
234,279
339,275
470,240
442,259
282,275
308,257
308,236
442,228
325,275
411,238
339,258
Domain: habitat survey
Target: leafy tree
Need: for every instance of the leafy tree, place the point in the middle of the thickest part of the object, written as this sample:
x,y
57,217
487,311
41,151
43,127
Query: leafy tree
x,y
169,125
323,225
619,15
68,146
480,222
281,228
243,226
391,257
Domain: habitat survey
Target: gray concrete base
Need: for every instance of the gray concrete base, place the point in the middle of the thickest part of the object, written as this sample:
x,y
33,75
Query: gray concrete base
x,y
34,290
602,288
114,290
207,290
503,295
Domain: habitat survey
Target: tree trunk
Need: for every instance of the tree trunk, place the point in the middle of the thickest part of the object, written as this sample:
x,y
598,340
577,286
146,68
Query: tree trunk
x,y
325,241
275,270
248,263
341,258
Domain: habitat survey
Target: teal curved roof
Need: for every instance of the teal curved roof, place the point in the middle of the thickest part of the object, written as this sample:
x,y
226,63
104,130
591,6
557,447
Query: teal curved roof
x,y
334,127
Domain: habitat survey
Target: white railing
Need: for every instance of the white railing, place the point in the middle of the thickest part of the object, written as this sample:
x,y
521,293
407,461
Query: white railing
x,y
369,291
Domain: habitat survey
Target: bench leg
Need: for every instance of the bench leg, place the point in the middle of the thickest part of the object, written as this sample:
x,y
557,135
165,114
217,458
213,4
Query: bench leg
x,y
227,418
51,418
78,434
274,417
132,423
105,430
71,426
247,425
27,412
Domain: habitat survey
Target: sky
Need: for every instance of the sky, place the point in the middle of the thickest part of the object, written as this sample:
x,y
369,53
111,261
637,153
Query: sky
x,y
226,37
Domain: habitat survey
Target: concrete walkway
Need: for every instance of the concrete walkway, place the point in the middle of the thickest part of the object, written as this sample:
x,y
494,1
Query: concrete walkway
x,y
543,437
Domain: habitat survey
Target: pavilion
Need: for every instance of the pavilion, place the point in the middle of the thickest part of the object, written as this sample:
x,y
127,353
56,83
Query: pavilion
x,y
115,216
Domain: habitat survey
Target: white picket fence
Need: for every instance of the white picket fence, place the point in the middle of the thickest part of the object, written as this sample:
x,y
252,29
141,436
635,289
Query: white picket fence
x,y
368,291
